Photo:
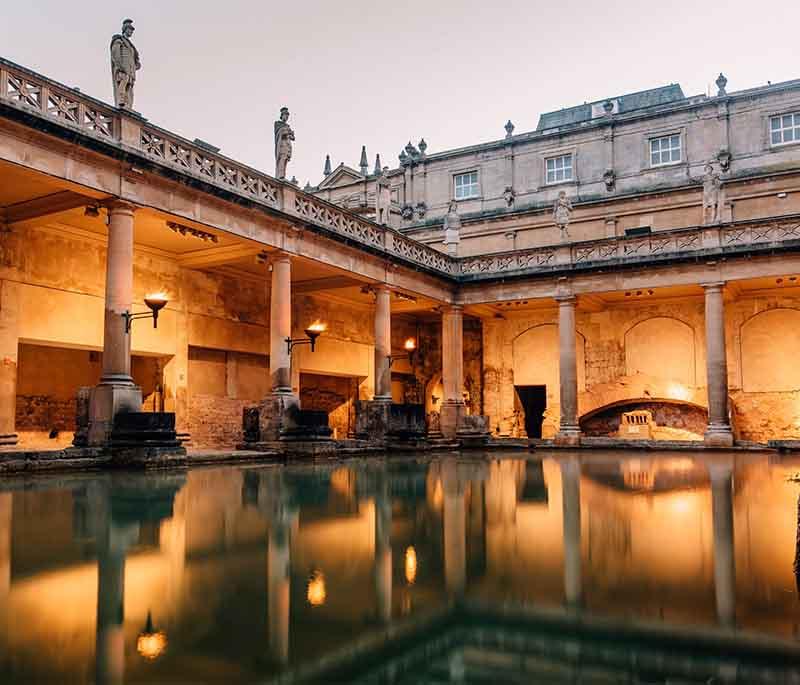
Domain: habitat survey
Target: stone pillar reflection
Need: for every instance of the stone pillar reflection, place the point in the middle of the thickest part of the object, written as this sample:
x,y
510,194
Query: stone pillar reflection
x,y
110,633
724,553
280,324
383,343
383,551
452,370
6,499
116,391
569,431
718,432
571,504
455,532
278,587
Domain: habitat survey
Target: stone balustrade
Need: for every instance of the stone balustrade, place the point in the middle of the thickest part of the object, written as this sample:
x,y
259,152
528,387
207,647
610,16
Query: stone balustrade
x,y
33,94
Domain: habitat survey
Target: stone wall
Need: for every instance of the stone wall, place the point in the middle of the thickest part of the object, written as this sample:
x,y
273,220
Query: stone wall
x,y
685,418
333,394
654,350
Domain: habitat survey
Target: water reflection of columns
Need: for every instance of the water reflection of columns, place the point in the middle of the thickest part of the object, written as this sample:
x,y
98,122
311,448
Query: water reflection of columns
x,y
5,563
724,560
455,541
571,503
278,582
113,541
383,550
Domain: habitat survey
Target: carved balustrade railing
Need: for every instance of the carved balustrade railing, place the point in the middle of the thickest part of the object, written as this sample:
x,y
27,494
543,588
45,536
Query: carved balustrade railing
x,y
32,92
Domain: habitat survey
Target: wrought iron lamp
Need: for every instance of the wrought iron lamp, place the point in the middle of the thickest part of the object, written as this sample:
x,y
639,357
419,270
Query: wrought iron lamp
x,y
410,347
312,333
155,302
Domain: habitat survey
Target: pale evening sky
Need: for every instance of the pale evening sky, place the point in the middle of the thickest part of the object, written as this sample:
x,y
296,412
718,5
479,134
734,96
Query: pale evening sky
x,y
381,73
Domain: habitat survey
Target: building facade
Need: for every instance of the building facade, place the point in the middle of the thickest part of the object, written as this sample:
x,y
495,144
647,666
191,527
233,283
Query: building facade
x,y
638,254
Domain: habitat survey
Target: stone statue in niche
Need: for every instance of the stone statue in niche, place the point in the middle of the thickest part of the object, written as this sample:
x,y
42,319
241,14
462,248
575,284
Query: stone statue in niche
x,y
610,179
124,65
712,196
509,196
562,213
452,228
284,135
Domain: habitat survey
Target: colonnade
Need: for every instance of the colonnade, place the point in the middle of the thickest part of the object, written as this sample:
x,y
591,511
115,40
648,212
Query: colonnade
x,y
718,432
117,392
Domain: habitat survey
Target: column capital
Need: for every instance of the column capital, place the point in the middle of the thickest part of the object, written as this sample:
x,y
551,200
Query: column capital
x,y
116,206
713,286
564,300
452,308
278,256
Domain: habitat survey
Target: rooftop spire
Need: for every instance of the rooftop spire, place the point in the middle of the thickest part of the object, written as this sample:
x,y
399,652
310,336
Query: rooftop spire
x,y
364,164
378,168
327,171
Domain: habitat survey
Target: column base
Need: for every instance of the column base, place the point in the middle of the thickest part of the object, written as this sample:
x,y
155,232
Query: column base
x,y
273,414
568,436
718,436
105,402
451,418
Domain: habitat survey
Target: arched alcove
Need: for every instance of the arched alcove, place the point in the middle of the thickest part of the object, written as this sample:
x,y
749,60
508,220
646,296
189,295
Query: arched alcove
x,y
675,420
661,347
770,347
535,358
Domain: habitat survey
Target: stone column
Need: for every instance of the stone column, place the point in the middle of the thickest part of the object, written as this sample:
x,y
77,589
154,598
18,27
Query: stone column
x,y
9,346
569,432
718,432
383,551
724,557
383,344
6,503
452,370
455,530
571,506
116,392
280,324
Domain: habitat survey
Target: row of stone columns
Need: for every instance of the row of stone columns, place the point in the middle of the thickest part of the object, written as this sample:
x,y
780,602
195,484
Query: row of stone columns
x,y
718,432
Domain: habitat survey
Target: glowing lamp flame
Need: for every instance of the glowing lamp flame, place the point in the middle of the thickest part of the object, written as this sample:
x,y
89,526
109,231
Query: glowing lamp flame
x,y
156,300
318,327
411,565
316,593
410,345
151,643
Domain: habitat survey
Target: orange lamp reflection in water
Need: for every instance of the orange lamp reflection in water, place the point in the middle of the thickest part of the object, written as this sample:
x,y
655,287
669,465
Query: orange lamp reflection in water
x,y
151,643
316,593
411,565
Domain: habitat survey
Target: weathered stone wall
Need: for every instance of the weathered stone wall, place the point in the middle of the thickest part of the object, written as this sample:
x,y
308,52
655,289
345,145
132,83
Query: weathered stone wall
x,y
642,350
683,417
333,394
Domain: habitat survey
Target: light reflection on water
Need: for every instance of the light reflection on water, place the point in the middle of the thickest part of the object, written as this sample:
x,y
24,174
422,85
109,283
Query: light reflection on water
x,y
248,571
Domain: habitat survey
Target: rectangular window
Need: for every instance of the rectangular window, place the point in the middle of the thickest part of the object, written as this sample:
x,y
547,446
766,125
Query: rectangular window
x,y
466,185
665,150
784,129
559,169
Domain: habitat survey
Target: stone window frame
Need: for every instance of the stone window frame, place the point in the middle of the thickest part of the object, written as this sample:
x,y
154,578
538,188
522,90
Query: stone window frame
x,y
460,172
767,117
552,154
661,135
648,135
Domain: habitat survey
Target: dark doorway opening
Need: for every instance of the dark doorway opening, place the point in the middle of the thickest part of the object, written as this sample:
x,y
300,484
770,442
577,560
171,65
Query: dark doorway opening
x,y
533,399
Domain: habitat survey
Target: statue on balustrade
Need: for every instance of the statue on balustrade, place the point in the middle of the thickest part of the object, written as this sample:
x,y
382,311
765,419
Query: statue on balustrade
x,y
284,135
562,213
712,196
383,198
124,65
452,228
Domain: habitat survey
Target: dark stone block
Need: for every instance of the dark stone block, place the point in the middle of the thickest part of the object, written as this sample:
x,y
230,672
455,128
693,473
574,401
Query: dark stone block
x,y
407,421
305,425
144,429
250,424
